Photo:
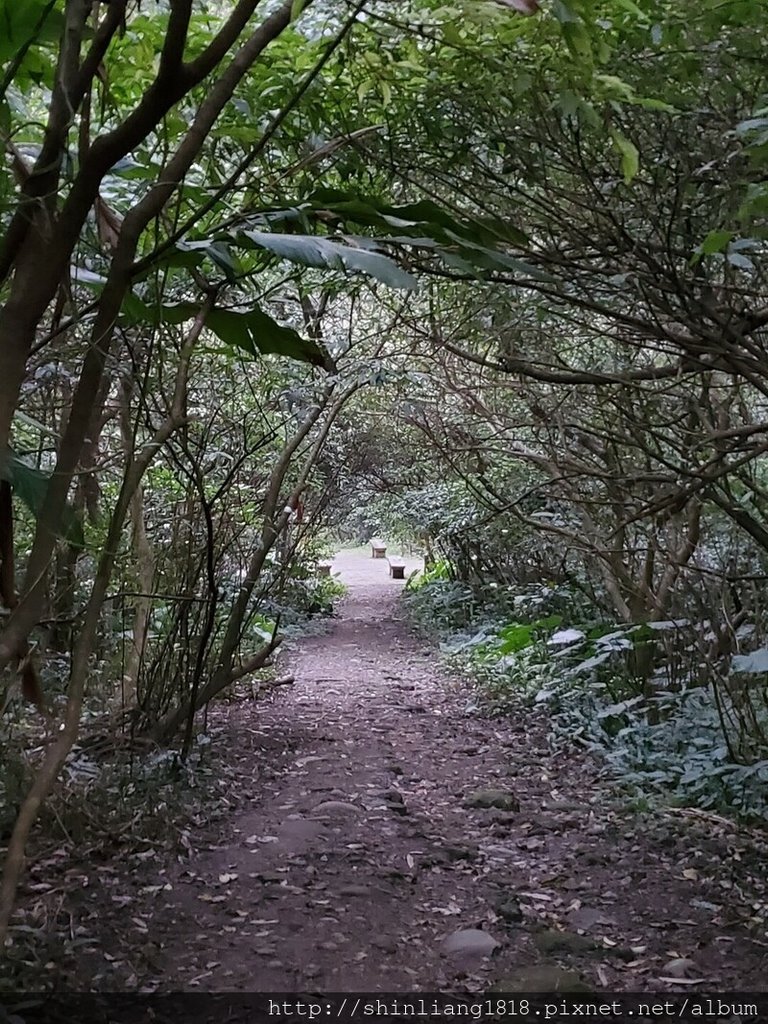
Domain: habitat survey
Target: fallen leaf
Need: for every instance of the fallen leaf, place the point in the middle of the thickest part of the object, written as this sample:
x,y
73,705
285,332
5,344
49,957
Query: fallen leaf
x,y
682,981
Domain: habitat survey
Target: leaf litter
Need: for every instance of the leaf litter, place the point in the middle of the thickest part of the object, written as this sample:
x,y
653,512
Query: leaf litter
x,y
365,894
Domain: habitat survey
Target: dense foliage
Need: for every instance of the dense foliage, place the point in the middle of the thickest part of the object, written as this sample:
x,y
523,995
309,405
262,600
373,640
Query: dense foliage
x,y
487,277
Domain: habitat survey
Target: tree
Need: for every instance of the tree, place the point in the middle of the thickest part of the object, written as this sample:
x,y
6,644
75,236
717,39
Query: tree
x,y
95,262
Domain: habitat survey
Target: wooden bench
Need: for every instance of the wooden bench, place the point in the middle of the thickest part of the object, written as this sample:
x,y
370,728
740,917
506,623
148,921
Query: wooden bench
x,y
396,568
378,548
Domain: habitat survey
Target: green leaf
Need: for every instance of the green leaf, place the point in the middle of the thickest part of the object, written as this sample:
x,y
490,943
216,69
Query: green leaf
x,y
191,253
564,14
27,482
630,158
632,8
314,251
516,642
548,623
252,331
616,88
755,204
425,217
649,103
30,485
577,40
715,241
515,637
25,21
256,331
568,103
364,88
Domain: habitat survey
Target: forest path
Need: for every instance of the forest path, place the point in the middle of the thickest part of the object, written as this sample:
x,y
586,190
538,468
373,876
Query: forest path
x,y
354,856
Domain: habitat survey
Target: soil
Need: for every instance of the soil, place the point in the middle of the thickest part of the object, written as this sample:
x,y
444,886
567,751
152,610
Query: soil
x,y
386,837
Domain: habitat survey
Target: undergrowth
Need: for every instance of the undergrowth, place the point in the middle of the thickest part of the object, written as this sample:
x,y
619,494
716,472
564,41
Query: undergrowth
x,y
141,806
682,745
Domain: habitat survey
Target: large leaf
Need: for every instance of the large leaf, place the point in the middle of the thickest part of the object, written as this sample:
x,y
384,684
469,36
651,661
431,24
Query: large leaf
x,y
24,21
251,330
425,216
193,254
256,331
716,241
30,485
467,244
316,251
755,663
515,637
630,158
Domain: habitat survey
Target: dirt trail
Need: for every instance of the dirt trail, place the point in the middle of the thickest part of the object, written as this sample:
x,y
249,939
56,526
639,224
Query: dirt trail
x,y
357,857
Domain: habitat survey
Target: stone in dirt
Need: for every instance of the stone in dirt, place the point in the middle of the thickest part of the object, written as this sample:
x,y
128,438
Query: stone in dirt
x,y
552,941
679,968
469,942
385,944
336,807
460,852
502,799
509,910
